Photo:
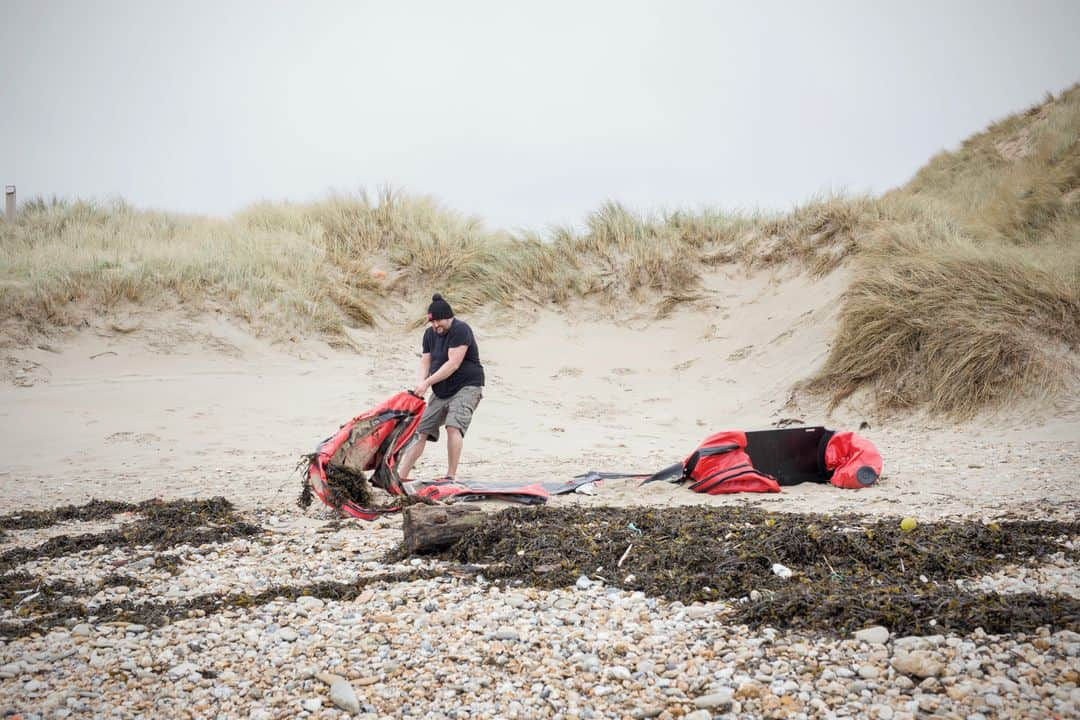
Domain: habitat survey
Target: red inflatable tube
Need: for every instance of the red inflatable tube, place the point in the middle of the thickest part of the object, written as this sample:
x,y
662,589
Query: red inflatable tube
x,y
721,466
854,460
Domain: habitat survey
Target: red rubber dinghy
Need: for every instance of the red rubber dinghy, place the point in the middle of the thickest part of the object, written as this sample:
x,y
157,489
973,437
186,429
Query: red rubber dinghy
x,y
734,461
370,442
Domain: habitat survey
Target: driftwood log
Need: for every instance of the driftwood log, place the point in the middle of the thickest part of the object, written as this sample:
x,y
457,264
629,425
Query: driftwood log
x,y
433,527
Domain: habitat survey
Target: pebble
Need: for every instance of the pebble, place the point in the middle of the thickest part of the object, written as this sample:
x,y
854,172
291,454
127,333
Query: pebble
x,y
343,695
456,648
917,663
876,635
720,699
506,633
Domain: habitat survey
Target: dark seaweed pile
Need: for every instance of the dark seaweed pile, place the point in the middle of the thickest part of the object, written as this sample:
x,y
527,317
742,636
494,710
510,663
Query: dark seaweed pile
x,y
848,571
344,486
93,510
163,525
41,603
348,486
56,606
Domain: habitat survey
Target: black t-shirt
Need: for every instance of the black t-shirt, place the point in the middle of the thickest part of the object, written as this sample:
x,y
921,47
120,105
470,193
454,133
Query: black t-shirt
x,y
471,372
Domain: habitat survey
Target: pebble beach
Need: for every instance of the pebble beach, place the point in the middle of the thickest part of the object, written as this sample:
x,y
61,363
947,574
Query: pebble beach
x,y
452,644
427,638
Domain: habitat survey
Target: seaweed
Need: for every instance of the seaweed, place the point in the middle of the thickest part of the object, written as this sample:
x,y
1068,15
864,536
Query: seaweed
x,y
345,485
93,510
158,613
342,484
163,525
848,571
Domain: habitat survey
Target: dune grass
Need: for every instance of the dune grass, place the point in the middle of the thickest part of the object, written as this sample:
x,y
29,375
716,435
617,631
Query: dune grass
x,y
969,296
966,290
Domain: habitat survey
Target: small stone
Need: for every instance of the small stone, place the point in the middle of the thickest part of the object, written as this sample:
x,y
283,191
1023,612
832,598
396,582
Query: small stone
x,y
287,634
328,678
918,663
781,571
876,635
506,633
721,699
311,704
343,695
184,669
868,672
583,583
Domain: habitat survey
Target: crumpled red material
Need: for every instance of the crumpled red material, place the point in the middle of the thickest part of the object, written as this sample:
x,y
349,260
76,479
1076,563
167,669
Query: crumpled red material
x,y
854,461
721,466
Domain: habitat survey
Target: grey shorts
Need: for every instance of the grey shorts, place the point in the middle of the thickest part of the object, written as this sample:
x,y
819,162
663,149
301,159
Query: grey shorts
x,y
455,411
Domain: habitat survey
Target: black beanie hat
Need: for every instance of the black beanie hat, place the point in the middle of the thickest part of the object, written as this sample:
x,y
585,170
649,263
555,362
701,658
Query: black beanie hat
x,y
439,309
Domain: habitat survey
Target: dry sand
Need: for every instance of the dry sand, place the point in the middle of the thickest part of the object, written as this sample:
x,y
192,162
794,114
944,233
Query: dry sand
x,y
175,407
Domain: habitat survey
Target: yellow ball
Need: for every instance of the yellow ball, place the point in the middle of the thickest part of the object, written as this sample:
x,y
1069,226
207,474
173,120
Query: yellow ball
x,y
908,524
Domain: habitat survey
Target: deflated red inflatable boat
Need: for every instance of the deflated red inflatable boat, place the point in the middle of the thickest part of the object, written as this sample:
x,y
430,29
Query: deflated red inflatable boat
x,y
370,442
734,461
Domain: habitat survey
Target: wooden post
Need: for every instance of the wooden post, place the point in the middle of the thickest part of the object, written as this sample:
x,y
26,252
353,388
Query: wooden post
x,y
433,527
9,193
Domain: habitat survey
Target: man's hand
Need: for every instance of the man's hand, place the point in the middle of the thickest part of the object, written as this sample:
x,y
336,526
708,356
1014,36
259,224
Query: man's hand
x,y
422,388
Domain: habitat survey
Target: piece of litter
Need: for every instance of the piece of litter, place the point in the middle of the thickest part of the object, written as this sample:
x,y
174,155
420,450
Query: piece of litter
x,y
781,571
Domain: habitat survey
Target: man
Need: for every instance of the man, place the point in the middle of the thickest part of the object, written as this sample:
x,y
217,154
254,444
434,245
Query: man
x,y
450,367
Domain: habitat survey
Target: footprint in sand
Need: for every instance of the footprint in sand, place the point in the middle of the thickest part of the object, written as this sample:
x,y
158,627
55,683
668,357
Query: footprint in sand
x,y
786,334
137,438
567,372
741,353
23,373
622,371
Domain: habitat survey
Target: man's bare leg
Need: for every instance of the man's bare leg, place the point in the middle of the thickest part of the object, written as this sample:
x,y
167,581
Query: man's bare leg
x,y
454,441
412,454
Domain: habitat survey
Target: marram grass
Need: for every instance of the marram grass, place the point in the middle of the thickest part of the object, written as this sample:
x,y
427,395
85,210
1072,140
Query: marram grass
x,y
965,291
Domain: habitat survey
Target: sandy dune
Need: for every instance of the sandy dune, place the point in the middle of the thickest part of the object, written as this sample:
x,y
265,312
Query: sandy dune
x,y
175,407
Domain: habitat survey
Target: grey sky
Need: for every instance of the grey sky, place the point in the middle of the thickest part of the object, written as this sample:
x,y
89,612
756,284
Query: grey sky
x,y
525,114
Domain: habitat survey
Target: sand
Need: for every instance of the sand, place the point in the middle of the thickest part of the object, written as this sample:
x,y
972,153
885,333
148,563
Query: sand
x,y
163,405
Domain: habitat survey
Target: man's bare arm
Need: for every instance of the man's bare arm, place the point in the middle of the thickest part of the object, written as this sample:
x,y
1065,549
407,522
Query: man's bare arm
x,y
456,355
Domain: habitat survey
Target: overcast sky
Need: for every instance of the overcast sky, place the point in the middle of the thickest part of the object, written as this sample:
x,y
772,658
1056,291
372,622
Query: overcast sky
x,y
524,114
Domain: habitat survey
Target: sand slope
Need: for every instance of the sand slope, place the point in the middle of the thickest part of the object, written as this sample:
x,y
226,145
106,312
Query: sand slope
x,y
175,407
